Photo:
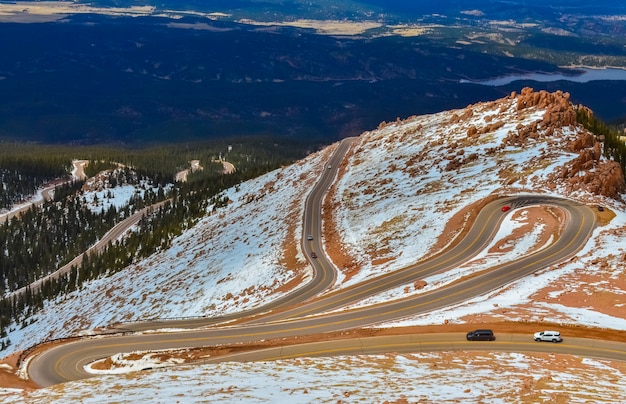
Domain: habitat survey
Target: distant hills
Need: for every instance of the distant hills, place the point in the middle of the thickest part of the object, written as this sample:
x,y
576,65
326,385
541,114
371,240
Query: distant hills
x,y
390,9
325,70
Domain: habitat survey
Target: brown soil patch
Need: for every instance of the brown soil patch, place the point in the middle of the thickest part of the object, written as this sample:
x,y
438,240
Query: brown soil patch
x,y
291,284
459,225
553,219
381,261
102,365
8,377
333,244
289,259
605,216
596,291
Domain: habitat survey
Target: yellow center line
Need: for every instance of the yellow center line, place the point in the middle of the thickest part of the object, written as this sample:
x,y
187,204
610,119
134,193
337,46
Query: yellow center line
x,y
366,315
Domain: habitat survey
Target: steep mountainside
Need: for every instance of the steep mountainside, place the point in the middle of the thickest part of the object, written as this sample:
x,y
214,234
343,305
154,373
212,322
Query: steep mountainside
x,y
409,177
404,191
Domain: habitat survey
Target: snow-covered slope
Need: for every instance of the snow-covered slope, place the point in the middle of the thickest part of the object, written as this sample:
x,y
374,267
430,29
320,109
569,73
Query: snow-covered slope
x,y
407,182
441,377
403,192
231,260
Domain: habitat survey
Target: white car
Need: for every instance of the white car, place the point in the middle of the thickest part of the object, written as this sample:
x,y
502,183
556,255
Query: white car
x,y
550,336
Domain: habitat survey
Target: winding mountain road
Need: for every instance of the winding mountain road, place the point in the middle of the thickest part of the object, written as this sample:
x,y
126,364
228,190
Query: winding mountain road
x,y
46,193
324,272
110,236
297,314
579,226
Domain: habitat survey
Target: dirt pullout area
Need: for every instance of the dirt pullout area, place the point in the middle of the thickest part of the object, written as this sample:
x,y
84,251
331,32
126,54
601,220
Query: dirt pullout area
x,y
8,376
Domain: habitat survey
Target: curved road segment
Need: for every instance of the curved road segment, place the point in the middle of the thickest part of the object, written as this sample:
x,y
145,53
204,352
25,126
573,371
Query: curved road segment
x,y
46,193
579,226
66,362
409,343
324,272
108,237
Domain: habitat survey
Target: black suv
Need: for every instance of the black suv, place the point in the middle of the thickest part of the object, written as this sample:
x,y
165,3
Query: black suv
x,y
481,335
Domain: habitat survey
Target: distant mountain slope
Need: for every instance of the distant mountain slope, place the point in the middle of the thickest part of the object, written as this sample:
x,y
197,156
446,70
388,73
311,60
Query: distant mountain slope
x,y
355,9
136,72
404,191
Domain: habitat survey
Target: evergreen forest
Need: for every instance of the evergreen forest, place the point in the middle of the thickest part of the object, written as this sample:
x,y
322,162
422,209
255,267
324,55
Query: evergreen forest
x,y
51,234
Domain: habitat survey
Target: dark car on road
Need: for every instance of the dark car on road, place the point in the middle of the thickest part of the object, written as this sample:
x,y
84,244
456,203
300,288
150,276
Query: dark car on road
x,y
481,335
313,255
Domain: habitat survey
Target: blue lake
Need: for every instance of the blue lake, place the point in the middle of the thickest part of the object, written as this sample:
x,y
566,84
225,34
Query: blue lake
x,y
584,77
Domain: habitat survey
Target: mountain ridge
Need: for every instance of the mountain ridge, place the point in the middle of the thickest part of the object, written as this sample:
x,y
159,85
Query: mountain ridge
x,y
395,196
363,190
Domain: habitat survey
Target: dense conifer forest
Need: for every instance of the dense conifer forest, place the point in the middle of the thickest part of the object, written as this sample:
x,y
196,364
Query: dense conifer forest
x,y
49,235
21,176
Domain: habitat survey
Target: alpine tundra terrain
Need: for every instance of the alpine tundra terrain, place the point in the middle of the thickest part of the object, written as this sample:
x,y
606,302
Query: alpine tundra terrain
x,y
504,215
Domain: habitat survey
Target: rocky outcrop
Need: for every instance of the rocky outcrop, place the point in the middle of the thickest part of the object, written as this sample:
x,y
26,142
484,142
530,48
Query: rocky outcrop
x,y
559,109
588,170
546,122
559,113
608,180
600,177
584,142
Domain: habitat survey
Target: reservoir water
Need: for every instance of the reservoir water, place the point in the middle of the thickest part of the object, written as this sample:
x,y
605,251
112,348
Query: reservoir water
x,y
579,75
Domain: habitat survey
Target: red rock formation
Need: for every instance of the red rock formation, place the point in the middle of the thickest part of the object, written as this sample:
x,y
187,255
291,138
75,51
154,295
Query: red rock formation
x,y
606,179
559,110
588,170
584,141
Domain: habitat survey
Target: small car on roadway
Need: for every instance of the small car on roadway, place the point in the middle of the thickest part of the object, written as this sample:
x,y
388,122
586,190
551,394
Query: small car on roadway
x,y
550,336
313,255
506,208
309,237
481,335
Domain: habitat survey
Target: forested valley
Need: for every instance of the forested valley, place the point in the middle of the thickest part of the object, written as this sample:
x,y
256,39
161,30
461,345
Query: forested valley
x,y
49,235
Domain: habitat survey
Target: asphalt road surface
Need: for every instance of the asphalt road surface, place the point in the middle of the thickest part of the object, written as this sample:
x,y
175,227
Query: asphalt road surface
x,y
408,343
46,193
65,362
324,272
109,236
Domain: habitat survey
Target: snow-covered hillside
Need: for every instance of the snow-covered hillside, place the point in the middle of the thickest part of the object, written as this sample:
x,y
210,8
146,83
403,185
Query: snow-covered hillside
x,y
404,191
